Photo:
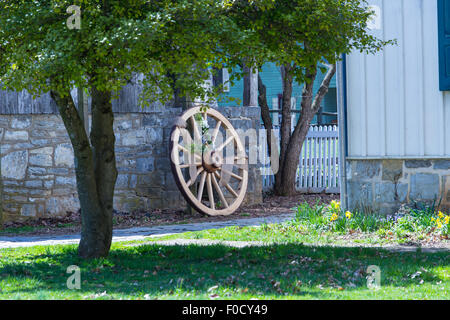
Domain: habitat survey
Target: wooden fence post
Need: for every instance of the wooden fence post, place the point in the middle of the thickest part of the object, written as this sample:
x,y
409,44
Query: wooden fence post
x,y
83,108
250,87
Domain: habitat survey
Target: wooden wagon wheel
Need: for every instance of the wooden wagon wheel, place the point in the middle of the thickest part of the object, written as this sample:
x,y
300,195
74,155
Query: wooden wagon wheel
x,y
199,160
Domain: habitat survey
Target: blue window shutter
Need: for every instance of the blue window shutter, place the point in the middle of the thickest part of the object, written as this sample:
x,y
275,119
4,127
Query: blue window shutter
x,y
444,44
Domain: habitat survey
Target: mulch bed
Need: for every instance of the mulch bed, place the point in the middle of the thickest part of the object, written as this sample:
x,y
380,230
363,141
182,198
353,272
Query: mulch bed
x,y
272,205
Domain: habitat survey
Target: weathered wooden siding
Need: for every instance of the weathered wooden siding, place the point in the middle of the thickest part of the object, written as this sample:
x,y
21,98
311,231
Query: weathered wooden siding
x,y
22,102
395,108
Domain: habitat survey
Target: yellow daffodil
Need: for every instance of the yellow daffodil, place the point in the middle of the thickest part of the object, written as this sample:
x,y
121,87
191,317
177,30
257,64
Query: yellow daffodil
x,y
447,219
438,223
440,214
432,219
334,217
336,205
348,214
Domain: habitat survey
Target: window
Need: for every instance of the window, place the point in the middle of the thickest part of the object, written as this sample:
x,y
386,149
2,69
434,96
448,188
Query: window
x,y
221,77
444,44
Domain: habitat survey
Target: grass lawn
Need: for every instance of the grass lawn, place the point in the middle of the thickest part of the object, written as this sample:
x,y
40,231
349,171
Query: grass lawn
x,y
307,258
275,271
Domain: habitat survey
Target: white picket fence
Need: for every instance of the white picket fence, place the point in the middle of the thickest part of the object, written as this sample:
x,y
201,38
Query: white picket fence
x,y
318,169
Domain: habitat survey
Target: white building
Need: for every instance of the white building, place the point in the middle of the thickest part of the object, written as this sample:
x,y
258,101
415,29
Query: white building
x,y
395,110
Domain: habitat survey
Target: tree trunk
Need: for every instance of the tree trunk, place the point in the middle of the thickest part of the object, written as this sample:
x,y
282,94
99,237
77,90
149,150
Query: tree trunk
x,y
290,153
104,157
288,171
285,129
95,170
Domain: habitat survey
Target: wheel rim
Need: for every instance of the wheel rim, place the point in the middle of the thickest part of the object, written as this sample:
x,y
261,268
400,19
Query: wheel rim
x,y
212,159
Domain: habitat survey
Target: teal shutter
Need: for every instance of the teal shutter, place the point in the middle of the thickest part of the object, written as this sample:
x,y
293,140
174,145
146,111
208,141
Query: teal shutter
x,y
444,44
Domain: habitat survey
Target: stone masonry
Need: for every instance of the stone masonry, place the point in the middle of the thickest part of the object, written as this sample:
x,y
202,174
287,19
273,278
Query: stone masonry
x,y
383,185
37,163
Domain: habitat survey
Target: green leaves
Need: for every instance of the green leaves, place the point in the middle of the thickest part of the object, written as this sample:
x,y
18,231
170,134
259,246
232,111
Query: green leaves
x,y
117,39
305,33
173,42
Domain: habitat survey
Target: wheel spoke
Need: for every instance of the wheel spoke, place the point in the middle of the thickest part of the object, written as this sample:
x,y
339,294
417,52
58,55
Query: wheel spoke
x,y
187,151
210,192
219,191
184,166
223,145
192,180
216,131
227,185
201,186
231,174
197,134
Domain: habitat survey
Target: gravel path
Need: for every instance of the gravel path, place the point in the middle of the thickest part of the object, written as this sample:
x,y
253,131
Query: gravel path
x,y
140,233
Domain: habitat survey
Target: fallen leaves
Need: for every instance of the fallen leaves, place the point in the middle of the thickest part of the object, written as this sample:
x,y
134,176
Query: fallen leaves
x,y
213,288
96,295
275,284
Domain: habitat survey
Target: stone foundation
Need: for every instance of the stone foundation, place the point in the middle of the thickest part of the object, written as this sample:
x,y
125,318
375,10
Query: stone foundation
x,y
383,185
37,164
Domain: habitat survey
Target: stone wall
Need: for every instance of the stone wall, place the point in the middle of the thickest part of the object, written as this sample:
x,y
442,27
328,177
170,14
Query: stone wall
x,y
383,185
37,164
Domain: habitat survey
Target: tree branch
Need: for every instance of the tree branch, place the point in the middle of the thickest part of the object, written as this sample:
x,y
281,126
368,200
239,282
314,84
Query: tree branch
x,y
306,112
323,88
265,113
72,121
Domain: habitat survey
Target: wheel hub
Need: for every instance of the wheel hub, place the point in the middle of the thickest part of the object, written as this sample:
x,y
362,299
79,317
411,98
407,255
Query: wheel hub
x,y
212,161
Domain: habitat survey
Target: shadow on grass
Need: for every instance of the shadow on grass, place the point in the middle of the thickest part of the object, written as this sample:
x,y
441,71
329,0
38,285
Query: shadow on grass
x,y
273,271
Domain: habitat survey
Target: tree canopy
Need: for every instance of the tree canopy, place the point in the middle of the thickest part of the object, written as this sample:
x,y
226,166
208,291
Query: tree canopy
x,y
117,38
305,33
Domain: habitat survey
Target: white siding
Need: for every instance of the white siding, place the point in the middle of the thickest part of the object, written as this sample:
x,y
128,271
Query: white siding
x,y
395,108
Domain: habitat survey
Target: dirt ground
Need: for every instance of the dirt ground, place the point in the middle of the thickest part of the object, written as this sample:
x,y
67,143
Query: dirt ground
x,y
272,205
